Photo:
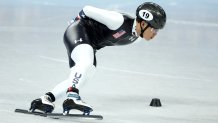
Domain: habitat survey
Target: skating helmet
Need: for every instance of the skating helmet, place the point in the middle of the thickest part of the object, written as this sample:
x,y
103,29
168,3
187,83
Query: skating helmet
x,y
152,13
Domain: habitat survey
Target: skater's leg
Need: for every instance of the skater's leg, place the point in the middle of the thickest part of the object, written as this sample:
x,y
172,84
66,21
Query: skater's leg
x,y
83,56
82,63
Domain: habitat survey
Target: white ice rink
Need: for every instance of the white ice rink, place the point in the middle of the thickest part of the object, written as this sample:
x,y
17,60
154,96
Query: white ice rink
x,y
180,66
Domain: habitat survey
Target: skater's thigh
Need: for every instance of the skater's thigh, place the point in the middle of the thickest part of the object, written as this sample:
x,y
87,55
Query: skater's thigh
x,y
78,45
83,54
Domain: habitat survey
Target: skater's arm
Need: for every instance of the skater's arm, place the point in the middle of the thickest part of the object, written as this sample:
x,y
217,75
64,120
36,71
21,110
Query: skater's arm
x,y
113,20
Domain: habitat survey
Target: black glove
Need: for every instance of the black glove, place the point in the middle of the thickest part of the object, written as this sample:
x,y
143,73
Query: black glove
x,y
81,15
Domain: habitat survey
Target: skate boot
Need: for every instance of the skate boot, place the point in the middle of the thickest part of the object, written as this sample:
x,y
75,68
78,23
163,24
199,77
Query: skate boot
x,y
44,103
74,101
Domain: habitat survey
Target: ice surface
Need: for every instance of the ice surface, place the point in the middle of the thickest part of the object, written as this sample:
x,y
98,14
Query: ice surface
x,y
179,66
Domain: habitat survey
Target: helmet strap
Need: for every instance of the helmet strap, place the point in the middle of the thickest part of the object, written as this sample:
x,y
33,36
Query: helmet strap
x,y
143,30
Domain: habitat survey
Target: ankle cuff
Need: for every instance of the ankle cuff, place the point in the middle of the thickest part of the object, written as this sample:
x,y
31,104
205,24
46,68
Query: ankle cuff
x,y
72,89
51,96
